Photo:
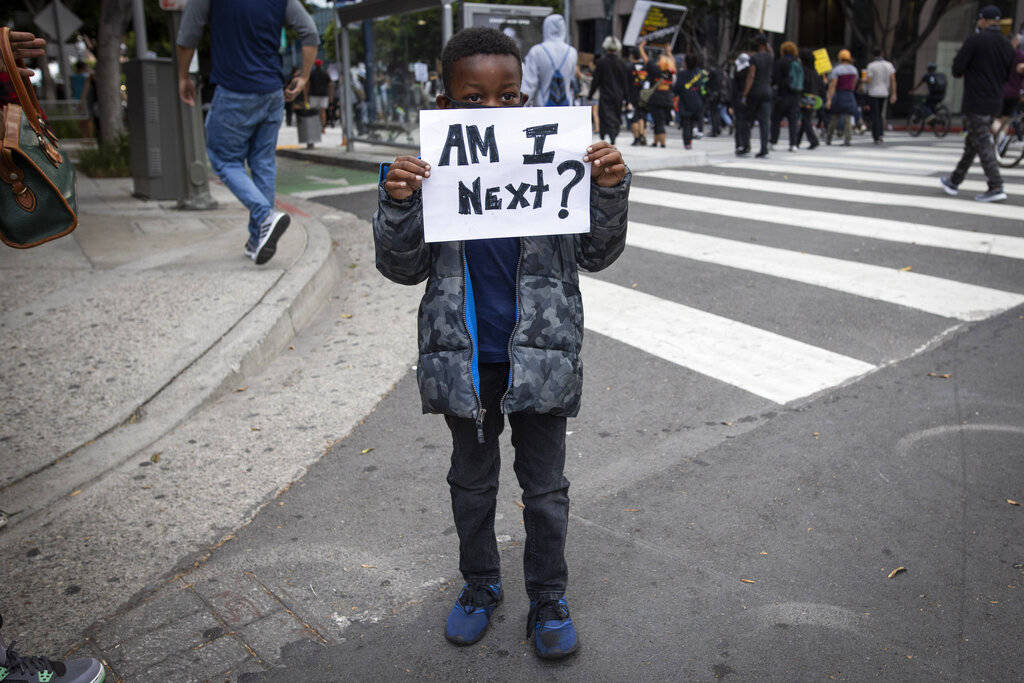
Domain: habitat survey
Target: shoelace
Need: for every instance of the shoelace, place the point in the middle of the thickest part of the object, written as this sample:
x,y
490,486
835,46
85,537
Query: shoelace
x,y
545,610
477,595
16,663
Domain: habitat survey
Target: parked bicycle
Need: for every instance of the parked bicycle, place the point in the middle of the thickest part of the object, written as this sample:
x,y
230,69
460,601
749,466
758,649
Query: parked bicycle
x,y
1010,141
922,116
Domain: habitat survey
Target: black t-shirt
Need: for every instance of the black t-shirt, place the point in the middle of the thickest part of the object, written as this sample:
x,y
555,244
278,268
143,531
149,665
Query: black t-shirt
x,y
319,83
762,86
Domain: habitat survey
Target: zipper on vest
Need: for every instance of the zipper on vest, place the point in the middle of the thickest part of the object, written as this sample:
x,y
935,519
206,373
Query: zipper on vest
x,y
480,411
515,328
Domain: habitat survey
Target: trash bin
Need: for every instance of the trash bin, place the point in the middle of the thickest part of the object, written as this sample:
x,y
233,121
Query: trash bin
x,y
308,123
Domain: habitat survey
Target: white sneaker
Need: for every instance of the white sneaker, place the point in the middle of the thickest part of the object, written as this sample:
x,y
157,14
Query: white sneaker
x,y
271,229
792,148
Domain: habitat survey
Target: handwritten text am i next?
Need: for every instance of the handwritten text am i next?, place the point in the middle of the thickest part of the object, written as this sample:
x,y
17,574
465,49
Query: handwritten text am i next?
x,y
508,172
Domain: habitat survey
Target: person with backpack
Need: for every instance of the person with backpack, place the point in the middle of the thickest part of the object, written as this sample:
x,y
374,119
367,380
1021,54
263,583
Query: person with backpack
x,y
788,79
688,87
936,83
549,67
810,99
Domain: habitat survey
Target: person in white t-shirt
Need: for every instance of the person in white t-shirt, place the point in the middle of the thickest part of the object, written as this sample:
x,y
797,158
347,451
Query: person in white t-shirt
x,y
881,81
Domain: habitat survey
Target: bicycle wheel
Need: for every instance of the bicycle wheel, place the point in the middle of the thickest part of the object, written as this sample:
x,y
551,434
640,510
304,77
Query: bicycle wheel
x,y
915,124
941,123
1010,143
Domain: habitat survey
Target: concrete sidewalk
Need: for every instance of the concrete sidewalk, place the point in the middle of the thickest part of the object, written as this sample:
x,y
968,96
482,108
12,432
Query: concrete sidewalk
x,y
118,333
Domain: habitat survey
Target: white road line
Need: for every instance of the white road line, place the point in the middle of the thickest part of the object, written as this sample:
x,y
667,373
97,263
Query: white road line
x,y
881,164
329,191
862,226
827,170
935,295
769,365
942,203
942,163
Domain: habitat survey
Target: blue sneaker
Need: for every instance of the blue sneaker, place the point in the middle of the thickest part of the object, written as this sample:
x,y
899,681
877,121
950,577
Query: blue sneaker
x,y
471,613
554,635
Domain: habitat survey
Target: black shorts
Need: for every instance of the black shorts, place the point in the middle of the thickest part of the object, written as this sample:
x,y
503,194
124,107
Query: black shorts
x,y
1010,105
662,116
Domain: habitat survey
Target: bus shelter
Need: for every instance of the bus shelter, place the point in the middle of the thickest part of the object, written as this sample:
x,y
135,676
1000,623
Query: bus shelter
x,y
398,48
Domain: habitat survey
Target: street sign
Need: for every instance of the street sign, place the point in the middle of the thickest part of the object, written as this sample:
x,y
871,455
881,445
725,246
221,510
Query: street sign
x,y
173,5
764,15
68,20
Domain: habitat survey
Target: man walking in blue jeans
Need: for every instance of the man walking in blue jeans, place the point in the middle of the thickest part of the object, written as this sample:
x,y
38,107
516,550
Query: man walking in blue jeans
x,y
248,105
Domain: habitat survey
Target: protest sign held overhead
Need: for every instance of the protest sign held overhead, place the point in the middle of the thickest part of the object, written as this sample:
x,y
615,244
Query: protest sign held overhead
x,y
505,172
654,22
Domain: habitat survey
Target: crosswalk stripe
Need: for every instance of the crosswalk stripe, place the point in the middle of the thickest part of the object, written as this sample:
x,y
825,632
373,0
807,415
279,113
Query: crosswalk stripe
x,y
935,295
829,171
945,164
763,363
881,165
862,226
843,194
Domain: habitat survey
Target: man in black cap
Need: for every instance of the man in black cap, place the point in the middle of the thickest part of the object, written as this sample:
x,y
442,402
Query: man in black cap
x,y
984,62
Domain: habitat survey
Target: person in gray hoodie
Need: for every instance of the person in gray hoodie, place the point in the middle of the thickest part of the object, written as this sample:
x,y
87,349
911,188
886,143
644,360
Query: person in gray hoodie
x,y
549,67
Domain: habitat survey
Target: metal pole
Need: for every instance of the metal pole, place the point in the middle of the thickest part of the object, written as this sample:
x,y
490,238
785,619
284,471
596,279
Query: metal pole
x,y
447,22
60,51
139,23
346,85
567,14
193,144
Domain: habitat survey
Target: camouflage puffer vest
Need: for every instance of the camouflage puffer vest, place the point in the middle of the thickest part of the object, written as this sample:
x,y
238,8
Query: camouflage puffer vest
x,y
546,375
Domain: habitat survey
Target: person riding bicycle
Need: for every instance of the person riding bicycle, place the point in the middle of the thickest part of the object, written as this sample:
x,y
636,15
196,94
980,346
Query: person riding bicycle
x,y
936,82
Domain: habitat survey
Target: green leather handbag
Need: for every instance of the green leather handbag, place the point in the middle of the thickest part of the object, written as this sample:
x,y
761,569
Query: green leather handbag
x,y
37,195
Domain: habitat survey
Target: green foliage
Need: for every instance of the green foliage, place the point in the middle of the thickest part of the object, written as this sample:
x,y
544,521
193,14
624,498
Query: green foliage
x,y
106,161
65,130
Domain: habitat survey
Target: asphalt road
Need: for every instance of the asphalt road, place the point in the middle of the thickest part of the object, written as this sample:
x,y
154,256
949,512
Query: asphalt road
x,y
800,378
779,427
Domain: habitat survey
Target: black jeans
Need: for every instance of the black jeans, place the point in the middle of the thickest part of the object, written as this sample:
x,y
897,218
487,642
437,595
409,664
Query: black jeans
x,y
786,107
539,442
978,142
877,117
761,111
741,126
807,128
686,122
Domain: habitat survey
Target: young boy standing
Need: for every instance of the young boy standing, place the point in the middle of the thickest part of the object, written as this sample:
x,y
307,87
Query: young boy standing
x,y
500,330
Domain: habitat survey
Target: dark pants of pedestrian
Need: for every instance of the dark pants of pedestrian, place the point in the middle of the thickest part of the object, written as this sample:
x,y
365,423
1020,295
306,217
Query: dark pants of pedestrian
x,y
714,117
878,117
741,127
978,142
760,110
661,116
786,107
687,121
539,442
807,128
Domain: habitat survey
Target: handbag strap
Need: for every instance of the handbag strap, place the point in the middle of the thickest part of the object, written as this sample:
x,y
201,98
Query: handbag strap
x,y
26,95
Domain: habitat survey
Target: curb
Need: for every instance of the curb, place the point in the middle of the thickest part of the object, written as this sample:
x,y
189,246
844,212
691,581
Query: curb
x,y
255,339
332,159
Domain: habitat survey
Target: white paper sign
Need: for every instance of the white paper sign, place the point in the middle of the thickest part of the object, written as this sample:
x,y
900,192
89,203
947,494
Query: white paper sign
x,y
766,15
509,172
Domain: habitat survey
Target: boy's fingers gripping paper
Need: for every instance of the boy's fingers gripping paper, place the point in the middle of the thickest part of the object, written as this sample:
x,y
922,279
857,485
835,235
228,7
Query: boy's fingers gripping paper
x,y
510,172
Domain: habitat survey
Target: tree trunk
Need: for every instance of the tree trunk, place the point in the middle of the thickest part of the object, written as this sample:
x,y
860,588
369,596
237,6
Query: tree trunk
x,y
114,16
49,86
